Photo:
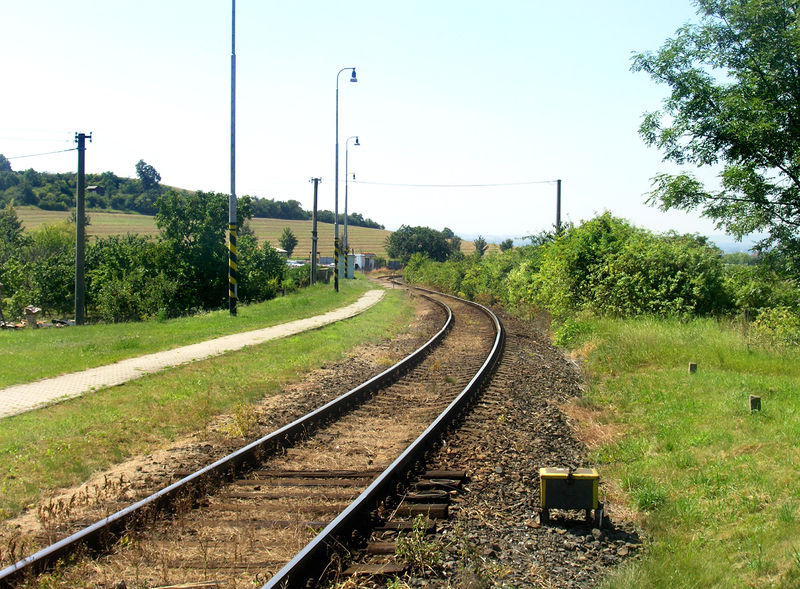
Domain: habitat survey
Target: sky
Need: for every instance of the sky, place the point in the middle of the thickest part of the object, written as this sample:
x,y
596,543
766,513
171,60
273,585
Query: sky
x,y
519,92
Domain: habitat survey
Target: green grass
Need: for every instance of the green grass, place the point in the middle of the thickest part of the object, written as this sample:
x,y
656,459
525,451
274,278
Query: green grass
x,y
63,444
716,487
27,355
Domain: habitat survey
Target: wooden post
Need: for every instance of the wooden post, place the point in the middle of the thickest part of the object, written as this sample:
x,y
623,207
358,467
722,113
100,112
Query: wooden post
x,y
755,403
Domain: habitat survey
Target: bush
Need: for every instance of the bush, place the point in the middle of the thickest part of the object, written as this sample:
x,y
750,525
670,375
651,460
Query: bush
x,y
660,275
778,326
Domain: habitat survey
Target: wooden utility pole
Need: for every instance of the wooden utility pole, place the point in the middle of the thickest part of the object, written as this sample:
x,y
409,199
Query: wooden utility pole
x,y
80,231
316,182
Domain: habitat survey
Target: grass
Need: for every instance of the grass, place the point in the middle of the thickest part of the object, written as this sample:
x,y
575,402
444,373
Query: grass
x,y
714,486
28,355
62,445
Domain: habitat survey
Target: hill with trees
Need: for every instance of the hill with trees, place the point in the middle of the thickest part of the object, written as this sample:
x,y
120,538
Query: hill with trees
x,y
107,191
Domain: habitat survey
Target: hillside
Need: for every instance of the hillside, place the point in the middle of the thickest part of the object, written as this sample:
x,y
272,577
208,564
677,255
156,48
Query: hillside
x,y
105,222
102,223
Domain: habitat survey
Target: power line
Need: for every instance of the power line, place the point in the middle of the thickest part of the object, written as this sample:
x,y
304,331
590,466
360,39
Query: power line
x,y
18,157
456,185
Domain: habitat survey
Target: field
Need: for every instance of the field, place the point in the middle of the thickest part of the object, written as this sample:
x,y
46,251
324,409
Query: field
x,y
713,485
102,223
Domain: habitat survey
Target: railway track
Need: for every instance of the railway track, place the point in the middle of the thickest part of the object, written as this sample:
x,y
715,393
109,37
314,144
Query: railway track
x,y
276,511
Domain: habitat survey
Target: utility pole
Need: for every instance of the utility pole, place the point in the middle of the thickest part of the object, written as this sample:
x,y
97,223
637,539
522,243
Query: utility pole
x,y
558,206
233,287
80,230
316,182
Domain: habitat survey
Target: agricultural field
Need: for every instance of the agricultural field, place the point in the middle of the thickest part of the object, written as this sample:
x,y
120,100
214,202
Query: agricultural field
x,y
107,222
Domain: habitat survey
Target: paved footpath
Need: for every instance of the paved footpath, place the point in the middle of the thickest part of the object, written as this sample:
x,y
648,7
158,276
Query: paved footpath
x,y
24,397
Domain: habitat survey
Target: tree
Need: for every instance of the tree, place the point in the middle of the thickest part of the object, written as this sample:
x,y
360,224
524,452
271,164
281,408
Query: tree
x,y
148,175
11,230
735,101
5,165
506,244
193,229
288,241
407,241
480,245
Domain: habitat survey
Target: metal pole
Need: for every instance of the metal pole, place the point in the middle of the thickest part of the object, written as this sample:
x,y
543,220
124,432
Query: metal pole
x,y
316,182
345,245
336,187
336,197
80,231
558,206
233,287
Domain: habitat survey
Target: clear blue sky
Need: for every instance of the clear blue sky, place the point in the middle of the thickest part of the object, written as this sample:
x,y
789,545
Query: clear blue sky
x,y
449,92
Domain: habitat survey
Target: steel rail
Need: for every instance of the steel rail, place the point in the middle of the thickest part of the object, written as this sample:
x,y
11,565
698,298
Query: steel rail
x,y
99,535
313,559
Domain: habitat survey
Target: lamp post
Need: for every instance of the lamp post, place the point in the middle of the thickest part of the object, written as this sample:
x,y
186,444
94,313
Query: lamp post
x,y
346,243
336,184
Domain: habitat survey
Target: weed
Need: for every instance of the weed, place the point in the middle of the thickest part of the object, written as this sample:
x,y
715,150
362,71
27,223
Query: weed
x,y
422,554
786,513
397,583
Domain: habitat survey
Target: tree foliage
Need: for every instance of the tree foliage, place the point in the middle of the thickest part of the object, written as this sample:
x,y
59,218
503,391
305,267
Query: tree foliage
x,y
147,175
605,266
506,244
288,241
734,80
407,241
480,245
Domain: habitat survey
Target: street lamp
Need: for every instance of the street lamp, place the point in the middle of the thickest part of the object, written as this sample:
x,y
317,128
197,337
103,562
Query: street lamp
x,y
336,184
346,243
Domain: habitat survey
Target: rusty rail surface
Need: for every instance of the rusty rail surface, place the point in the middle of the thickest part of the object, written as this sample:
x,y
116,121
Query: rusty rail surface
x,y
101,534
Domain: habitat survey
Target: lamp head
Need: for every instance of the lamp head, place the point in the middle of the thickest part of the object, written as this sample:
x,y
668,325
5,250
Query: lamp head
x,y
356,143
353,76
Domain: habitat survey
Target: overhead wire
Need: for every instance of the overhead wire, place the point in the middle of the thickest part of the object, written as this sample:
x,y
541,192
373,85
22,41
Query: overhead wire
x,y
17,157
496,184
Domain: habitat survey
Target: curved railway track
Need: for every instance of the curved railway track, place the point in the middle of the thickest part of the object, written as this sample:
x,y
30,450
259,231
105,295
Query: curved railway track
x,y
256,515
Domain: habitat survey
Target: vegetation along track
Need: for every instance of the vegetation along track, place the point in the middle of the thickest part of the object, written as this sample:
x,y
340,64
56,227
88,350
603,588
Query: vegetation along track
x,y
242,518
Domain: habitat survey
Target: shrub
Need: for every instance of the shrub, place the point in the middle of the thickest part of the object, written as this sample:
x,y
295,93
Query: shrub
x,y
778,326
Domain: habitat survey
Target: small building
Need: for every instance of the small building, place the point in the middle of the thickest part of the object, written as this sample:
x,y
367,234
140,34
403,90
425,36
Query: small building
x,y
365,262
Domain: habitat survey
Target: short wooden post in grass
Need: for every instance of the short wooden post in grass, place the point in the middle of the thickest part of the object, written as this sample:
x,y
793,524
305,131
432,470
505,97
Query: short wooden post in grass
x,y
755,403
692,367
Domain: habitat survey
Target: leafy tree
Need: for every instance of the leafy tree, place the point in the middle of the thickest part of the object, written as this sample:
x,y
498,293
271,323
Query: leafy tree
x,y
148,175
407,241
261,270
194,228
10,226
735,101
480,245
506,244
5,165
288,241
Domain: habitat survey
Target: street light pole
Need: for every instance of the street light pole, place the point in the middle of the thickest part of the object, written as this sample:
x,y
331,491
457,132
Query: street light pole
x,y
347,243
233,290
336,184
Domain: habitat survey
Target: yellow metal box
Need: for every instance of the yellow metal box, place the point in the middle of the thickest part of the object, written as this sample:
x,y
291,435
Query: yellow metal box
x,y
563,488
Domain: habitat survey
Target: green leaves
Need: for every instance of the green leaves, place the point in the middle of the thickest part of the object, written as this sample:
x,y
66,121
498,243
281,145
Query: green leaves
x,y
735,99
